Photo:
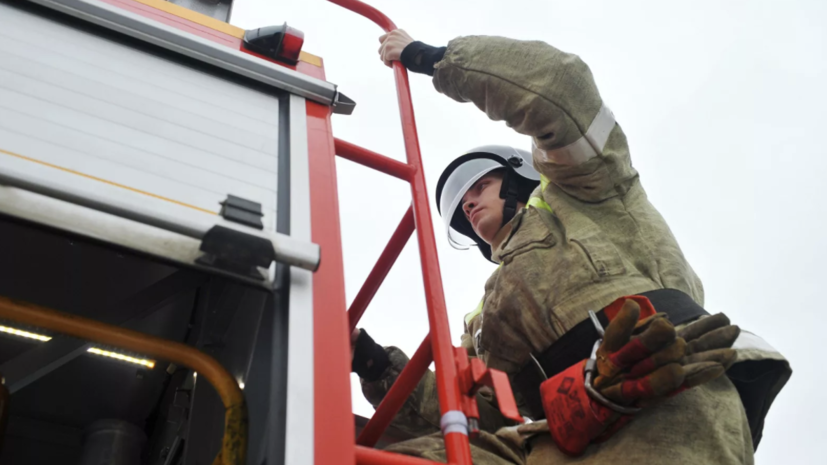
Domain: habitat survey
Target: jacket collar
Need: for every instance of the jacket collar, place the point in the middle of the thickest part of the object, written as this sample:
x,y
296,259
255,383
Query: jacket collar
x,y
504,234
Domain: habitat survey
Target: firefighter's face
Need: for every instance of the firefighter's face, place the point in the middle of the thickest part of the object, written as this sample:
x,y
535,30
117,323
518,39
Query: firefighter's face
x,y
483,206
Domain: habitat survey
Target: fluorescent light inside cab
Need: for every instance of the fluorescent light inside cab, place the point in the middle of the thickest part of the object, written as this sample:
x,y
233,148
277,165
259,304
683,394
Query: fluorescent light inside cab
x,y
94,350
122,357
27,334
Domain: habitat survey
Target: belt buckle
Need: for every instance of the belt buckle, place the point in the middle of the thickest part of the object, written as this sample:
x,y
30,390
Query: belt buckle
x,y
591,368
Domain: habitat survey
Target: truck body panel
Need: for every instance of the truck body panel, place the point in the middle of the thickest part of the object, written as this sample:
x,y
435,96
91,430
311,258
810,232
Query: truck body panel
x,y
124,127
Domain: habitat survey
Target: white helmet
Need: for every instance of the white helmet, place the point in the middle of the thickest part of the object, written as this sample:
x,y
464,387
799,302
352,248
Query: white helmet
x,y
519,180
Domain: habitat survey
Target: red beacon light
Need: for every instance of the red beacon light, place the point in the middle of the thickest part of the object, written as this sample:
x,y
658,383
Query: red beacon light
x,y
281,43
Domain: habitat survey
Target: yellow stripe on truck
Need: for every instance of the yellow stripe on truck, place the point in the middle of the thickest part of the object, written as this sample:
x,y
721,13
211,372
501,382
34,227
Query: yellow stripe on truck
x,y
106,181
214,24
195,17
310,59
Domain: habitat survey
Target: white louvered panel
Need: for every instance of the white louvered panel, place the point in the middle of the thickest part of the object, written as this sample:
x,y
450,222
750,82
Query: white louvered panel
x,y
124,117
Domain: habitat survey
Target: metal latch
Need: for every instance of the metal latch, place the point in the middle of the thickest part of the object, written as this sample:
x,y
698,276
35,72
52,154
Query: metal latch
x,y
242,211
473,375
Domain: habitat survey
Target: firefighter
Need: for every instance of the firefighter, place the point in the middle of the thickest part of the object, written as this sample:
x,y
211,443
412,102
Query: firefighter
x,y
572,230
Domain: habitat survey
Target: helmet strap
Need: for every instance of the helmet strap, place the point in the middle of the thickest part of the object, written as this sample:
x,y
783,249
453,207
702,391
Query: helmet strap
x,y
510,192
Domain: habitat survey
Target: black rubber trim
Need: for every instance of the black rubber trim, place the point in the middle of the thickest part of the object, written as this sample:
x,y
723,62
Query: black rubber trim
x,y
277,415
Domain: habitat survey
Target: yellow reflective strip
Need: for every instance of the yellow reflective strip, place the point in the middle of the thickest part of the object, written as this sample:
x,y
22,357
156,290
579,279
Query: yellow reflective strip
x,y
195,17
537,202
478,310
473,314
105,181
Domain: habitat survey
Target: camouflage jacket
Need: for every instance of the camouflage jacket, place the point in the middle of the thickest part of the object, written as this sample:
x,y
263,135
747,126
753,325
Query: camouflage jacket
x,y
601,240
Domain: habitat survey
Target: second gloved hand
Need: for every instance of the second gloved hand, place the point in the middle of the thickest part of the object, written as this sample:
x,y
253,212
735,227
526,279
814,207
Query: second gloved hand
x,y
638,363
701,352
575,417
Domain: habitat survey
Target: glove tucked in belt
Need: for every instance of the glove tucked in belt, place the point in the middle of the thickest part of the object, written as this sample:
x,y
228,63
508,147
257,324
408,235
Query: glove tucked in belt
x,y
637,363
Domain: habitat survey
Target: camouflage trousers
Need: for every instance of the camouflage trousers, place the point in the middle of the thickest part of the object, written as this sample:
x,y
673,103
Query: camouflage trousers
x,y
506,447
704,425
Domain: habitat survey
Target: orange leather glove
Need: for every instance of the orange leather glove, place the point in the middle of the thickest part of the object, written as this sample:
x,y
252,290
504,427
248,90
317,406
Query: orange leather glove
x,y
637,363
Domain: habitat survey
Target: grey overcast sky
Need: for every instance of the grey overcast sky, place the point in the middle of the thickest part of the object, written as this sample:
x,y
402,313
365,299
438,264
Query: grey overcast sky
x,y
724,104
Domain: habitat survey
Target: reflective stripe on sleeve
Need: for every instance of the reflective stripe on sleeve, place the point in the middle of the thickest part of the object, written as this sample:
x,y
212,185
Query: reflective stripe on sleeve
x,y
585,148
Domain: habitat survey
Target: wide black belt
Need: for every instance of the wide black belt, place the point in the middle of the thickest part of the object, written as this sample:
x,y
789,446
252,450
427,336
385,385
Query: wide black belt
x,y
758,381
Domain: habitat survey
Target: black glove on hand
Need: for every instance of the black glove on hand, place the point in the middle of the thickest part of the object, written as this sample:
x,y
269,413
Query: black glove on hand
x,y
369,358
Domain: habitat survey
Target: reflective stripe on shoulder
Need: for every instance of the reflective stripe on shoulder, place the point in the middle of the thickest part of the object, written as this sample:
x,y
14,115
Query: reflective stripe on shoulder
x,y
473,314
543,182
537,202
469,317
586,147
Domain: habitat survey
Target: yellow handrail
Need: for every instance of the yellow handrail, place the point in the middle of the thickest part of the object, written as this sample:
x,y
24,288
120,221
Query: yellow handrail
x,y
234,444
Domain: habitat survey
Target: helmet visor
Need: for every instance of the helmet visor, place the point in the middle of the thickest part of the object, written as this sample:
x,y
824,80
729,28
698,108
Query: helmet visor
x,y
457,184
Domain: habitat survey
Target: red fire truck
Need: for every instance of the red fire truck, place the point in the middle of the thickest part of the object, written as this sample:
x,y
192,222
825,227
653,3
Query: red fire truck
x,y
172,285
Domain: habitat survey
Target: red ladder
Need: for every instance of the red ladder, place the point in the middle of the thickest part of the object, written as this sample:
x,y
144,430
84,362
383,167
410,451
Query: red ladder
x,y
457,378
